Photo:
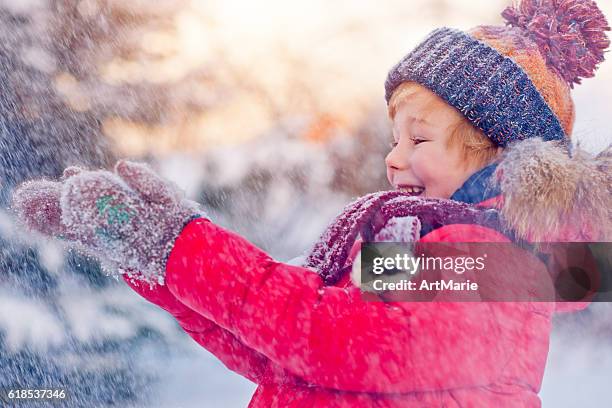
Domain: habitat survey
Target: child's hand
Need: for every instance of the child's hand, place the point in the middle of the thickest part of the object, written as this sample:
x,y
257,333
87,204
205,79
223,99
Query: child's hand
x,y
131,216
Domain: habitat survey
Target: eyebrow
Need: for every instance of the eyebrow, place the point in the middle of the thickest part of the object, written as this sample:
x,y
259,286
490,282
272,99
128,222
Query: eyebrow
x,y
412,120
419,121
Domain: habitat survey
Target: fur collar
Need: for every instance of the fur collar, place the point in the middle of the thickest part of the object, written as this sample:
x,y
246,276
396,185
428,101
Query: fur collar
x,y
550,196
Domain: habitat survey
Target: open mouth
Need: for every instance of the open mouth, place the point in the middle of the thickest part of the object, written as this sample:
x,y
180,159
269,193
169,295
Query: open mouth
x,y
411,189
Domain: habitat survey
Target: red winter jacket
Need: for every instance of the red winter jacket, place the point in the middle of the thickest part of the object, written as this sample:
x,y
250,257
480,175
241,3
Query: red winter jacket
x,y
311,345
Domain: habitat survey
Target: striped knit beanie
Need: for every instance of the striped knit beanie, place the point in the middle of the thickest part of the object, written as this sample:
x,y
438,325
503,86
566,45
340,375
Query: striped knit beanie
x,y
512,82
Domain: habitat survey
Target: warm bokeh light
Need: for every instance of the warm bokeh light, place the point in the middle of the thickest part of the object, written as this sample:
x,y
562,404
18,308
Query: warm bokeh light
x,y
276,60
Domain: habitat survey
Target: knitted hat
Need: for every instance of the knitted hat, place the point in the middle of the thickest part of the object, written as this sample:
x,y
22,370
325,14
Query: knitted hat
x,y
512,82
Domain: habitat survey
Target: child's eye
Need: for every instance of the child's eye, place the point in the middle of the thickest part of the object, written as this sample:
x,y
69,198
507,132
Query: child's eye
x,y
392,144
417,140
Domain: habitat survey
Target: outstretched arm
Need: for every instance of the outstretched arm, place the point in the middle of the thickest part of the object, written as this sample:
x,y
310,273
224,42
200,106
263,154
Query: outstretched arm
x,y
127,220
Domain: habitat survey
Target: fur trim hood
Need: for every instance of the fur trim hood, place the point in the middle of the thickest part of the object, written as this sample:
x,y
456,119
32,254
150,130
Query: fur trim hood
x,y
549,195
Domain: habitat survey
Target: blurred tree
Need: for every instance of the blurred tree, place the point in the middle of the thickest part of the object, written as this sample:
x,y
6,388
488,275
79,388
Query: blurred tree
x,y
54,100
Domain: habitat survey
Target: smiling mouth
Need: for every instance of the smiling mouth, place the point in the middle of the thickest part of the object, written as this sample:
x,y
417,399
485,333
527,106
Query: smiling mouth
x,y
410,189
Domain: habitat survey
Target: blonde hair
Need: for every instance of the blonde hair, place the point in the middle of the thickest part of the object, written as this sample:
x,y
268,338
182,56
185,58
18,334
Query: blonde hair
x,y
476,148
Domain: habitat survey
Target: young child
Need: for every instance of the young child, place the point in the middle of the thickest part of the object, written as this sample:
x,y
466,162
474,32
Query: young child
x,y
304,333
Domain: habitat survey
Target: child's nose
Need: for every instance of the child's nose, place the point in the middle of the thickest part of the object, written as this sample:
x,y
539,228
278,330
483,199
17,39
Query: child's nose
x,y
398,158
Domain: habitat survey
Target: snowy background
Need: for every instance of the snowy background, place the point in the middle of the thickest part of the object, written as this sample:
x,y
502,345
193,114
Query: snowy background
x,y
269,113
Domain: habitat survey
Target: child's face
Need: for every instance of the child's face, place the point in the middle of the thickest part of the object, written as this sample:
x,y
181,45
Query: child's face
x,y
420,161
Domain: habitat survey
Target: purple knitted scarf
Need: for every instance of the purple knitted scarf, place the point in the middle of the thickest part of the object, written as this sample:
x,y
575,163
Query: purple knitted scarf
x,y
369,214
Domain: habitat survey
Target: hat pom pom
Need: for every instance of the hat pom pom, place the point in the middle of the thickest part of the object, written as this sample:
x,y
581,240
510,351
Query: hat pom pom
x,y
569,33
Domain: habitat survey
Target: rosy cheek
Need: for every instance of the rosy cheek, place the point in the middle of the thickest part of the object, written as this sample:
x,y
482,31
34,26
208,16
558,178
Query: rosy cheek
x,y
421,166
429,169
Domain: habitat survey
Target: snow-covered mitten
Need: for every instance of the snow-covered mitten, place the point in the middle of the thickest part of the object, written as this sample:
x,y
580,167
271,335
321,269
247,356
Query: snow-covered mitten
x,y
131,216
406,229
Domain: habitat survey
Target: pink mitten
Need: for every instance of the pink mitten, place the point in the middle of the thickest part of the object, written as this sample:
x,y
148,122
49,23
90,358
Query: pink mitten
x,y
405,229
400,229
131,216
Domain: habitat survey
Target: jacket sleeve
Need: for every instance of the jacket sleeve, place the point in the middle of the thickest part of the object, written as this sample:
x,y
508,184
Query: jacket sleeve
x,y
220,342
328,335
